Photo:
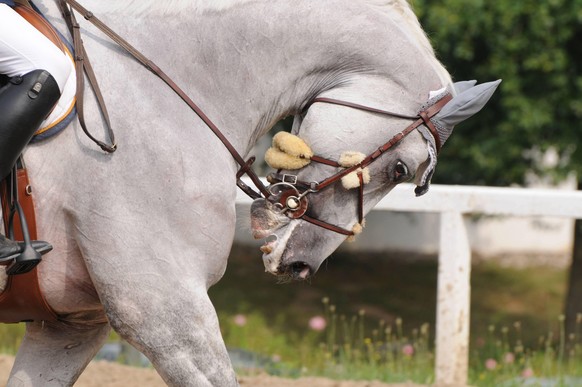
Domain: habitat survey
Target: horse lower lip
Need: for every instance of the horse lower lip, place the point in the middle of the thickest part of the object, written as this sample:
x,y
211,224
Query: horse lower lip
x,y
260,234
304,273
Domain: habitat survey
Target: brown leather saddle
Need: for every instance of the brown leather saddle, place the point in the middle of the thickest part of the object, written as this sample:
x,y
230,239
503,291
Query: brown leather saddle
x,y
22,299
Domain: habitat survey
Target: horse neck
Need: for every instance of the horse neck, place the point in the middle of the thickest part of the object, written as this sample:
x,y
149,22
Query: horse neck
x,y
250,64
274,65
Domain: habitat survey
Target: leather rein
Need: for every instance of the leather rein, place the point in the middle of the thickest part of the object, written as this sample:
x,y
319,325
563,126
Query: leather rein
x,y
292,199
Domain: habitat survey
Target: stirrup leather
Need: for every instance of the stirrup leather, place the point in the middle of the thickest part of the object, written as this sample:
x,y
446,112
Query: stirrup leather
x,y
32,251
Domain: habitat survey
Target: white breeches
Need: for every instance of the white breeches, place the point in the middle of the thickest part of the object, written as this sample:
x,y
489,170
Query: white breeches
x,y
24,49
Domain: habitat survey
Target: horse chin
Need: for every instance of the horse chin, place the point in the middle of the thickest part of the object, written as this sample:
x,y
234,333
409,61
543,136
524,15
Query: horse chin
x,y
293,249
276,256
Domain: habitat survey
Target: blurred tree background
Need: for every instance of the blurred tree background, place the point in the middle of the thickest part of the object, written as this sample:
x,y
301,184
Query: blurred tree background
x,y
535,46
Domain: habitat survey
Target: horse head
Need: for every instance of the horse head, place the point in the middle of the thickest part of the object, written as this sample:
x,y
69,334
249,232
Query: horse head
x,y
340,159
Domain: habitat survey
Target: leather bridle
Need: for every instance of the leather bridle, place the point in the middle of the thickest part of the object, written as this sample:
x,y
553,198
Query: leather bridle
x,y
292,198
286,191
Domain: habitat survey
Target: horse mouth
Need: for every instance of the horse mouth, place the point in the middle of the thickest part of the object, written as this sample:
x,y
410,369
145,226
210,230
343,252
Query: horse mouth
x,y
277,229
274,249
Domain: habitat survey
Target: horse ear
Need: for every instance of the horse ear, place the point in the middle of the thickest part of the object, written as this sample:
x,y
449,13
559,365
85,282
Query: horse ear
x,y
469,100
462,86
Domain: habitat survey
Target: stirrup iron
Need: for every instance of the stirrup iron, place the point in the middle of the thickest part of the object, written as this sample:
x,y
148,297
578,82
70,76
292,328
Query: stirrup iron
x,y
29,257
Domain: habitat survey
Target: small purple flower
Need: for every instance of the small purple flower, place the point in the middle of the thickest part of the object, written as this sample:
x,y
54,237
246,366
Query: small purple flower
x,y
490,364
240,320
317,323
527,373
408,350
509,358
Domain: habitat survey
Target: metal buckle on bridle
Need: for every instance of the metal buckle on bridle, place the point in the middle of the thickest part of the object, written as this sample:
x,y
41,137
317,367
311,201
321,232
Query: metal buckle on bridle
x,y
287,197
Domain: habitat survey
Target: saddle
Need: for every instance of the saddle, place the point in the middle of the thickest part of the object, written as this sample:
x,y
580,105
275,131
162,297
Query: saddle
x,y
22,299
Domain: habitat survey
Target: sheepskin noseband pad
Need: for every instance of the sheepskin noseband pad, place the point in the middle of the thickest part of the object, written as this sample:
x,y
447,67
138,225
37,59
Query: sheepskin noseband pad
x,y
357,230
288,152
349,159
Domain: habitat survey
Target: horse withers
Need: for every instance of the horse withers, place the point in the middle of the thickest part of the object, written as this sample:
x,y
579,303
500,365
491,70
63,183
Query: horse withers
x,y
139,236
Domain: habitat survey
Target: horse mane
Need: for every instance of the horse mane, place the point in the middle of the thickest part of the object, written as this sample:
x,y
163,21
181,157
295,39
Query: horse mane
x,y
166,7
404,13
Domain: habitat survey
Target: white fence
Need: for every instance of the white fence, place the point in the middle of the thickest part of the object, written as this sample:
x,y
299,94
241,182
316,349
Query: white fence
x,y
454,273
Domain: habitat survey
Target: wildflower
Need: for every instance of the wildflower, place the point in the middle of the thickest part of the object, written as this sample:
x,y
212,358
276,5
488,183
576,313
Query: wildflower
x,y
490,364
408,350
509,358
276,358
527,373
240,320
317,323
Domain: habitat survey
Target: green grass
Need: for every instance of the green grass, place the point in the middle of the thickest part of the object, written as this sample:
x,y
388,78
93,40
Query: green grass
x,y
388,287
380,315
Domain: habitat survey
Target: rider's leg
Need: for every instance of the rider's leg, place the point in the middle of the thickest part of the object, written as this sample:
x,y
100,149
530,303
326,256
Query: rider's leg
x,y
24,49
29,96
24,103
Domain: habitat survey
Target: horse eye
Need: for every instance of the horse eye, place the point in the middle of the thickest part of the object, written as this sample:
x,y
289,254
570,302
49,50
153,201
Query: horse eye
x,y
400,171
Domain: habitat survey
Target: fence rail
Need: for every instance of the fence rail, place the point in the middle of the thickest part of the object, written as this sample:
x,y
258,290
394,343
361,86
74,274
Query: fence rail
x,y
454,273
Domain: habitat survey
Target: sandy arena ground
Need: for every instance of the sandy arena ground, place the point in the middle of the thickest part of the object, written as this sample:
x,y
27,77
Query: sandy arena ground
x,y
105,374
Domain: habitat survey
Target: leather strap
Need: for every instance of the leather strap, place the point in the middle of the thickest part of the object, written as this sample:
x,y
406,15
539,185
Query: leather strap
x,y
22,299
162,75
83,65
359,107
327,226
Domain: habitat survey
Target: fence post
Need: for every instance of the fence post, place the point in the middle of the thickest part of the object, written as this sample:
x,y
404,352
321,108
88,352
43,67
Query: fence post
x,y
453,302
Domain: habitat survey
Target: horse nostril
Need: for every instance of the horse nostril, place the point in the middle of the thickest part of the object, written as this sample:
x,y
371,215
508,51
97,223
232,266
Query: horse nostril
x,y
300,270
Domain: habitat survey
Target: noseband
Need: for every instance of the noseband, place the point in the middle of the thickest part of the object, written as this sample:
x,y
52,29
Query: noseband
x,y
290,195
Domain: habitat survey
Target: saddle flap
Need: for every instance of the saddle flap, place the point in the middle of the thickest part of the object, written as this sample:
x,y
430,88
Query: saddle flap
x,y
22,299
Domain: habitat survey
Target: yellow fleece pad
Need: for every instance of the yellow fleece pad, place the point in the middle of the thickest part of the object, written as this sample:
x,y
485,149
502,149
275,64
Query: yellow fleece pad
x,y
280,160
349,159
357,229
288,152
292,145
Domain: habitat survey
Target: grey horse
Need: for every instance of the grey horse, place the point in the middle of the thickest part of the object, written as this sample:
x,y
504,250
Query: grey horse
x,y
139,236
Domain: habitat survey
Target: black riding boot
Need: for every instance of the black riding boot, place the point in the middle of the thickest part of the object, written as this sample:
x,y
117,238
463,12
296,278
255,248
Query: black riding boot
x,y
24,103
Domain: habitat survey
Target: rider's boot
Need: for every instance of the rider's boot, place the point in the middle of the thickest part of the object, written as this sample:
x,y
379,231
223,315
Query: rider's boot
x,y
25,101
